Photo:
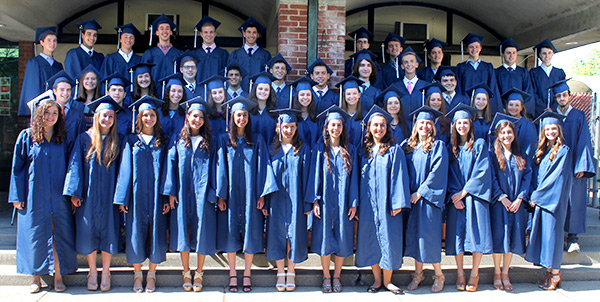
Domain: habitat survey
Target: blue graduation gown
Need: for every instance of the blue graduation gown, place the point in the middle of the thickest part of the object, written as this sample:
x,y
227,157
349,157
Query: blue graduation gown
x,y
190,176
309,131
508,228
77,59
37,72
218,126
550,197
470,77
244,175
124,119
97,219
114,62
327,100
388,75
577,137
541,82
336,192
283,98
138,189
367,98
355,135
398,134
383,188
427,175
74,123
457,99
481,129
411,102
527,137
287,206
37,178
164,62
469,229
263,124
518,78
250,65
444,137
171,125
210,64
426,74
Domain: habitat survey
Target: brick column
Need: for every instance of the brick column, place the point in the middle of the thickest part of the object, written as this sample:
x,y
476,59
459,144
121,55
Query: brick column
x,y
25,53
292,21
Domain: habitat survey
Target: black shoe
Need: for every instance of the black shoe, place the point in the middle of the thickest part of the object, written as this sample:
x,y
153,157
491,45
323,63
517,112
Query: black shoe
x,y
373,289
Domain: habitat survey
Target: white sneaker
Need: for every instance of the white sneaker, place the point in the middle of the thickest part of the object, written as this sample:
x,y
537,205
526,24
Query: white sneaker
x,y
574,247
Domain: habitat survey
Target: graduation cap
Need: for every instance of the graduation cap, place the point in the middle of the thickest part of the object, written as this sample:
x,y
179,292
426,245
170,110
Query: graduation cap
x,y
409,50
40,32
239,103
333,113
128,28
361,33
251,22
545,44
390,92
44,96
278,58
560,86
548,118
376,110
174,79
461,111
60,76
500,118
445,71
434,43
160,20
84,71
262,78
434,87
105,102
347,83
187,55
321,63
205,20
425,113
391,37
197,103
287,115
141,68
87,25
468,39
115,79
481,88
214,82
146,102
508,43
515,94
363,54
303,83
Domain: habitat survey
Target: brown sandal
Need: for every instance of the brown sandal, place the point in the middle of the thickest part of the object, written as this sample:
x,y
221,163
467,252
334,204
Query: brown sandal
x,y
498,281
473,284
461,283
417,278
507,285
554,282
438,283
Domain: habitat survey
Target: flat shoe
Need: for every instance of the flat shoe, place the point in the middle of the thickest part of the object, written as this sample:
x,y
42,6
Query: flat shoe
x,y
373,289
59,287
395,291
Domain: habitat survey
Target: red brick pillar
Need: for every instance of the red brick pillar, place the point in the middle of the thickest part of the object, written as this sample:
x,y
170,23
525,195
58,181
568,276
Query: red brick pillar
x,y
25,53
292,21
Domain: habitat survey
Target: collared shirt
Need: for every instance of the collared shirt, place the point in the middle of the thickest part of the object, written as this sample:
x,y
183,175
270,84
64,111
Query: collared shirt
x,y
365,86
546,69
164,48
126,57
513,66
254,48
449,96
474,64
66,107
569,108
191,86
48,58
87,50
413,81
324,90
231,91
212,47
275,86
434,70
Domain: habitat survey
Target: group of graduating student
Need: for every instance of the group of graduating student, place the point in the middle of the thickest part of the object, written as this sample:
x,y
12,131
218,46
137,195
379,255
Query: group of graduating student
x,y
194,161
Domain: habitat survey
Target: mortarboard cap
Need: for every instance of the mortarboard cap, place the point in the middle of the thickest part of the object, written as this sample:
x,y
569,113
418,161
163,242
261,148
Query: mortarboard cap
x,y
88,69
549,117
394,37
262,78
128,28
88,24
60,76
433,88
349,82
116,79
376,110
547,44
461,111
160,20
471,37
320,63
278,58
515,94
444,71
333,113
500,118
481,88
508,43
47,95
435,43
362,33
409,50
40,32
214,82
187,55
287,115
239,103
197,103
560,86
146,102
391,91
105,102
425,113
251,22
174,79
207,20
141,68
363,54
303,83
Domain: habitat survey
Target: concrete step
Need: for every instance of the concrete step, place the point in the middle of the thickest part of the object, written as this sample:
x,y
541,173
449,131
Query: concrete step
x,y
171,276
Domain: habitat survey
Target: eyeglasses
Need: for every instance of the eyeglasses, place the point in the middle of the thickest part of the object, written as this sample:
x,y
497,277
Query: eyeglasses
x,y
188,67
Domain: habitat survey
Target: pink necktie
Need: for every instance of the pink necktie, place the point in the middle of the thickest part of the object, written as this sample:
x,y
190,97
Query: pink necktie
x,y
410,88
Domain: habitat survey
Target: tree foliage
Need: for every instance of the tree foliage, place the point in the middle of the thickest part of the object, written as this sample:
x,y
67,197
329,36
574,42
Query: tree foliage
x,y
588,65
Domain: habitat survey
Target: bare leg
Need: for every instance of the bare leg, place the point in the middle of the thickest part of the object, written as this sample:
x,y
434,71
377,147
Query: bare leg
x,y
137,280
93,274
476,262
105,283
232,271
201,259
151,282
280,285
376,276
437,268
505,268
497,271
387,281
460,264
247,282
59,285
185,260
325,262
337,273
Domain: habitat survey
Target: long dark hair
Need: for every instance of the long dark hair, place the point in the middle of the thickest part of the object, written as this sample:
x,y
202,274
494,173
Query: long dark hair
x,y
166,102
514,148
312,108
296,141
137,90
344,153
455,139
386,142
401,118
359,114
205,132
271,101
81,93
37,123
159,135
233,131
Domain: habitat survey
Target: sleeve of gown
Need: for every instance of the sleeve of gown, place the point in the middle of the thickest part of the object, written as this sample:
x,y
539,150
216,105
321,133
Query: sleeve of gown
x,y
31,86
306,178
266,183
20,169
526,181
354,180
169,183
398,179
316,178
222,179
433,189
74,179
496,191
480,181
72,65
557,178
211,194
584,160
123,188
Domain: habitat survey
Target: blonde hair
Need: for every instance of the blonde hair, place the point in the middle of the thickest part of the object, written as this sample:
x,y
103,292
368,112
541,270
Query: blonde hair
x,y
413,141
544,144
112,142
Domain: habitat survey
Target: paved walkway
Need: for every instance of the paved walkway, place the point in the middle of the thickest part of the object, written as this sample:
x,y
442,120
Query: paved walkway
x,y
571,291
